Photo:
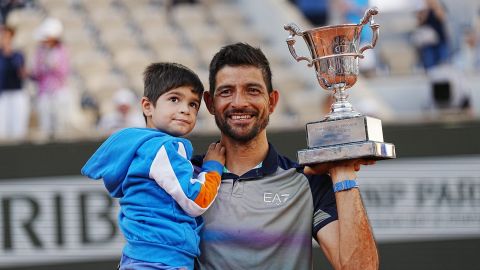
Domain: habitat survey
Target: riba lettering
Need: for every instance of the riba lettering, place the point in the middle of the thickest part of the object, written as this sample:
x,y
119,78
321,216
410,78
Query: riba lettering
x,y
45,221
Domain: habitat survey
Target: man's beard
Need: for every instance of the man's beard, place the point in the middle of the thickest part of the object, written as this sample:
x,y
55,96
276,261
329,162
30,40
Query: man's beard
x,y
229,131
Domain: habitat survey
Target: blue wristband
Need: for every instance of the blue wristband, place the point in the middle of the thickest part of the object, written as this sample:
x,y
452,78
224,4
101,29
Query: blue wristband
x,y
345,185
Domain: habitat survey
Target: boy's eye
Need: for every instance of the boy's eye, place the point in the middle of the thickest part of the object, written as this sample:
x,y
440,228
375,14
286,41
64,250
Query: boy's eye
x,y
173,99
194,105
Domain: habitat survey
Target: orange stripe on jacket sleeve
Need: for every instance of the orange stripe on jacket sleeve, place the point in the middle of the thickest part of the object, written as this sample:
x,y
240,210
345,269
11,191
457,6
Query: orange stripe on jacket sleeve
x,y
209,189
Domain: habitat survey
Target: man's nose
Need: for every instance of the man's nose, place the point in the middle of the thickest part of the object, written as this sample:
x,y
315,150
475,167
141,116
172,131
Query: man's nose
x,y
239,99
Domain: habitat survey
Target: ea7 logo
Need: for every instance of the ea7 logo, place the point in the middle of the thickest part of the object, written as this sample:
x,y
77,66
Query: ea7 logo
x,y
275,198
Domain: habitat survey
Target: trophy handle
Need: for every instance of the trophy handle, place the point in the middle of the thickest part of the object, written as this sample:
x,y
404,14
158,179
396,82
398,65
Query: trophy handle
x,y
368,17
295,30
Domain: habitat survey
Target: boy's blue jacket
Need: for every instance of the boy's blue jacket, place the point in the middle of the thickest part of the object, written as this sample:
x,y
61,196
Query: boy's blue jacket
x,y
151,173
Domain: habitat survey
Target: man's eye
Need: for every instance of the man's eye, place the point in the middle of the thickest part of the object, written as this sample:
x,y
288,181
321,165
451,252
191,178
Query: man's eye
x,y
253,90
225,92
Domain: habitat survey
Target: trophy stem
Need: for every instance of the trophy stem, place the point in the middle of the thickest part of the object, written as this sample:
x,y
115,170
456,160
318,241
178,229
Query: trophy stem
x,y
341,108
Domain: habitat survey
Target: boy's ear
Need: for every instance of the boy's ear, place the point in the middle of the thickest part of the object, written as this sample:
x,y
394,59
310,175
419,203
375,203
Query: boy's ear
x,y
147,107
208,102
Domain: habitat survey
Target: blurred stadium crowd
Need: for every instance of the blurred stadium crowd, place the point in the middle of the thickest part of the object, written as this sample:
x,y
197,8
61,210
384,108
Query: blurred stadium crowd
x,y
106,44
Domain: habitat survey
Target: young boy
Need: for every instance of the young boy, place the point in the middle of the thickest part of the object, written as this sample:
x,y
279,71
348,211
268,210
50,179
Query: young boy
x,y
149,169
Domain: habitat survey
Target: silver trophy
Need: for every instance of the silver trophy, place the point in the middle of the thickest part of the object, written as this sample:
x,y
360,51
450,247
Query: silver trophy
x,y
344,133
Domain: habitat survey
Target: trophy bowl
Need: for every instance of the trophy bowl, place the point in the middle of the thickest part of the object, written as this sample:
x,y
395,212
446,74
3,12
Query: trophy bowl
x,y
335,51
343,133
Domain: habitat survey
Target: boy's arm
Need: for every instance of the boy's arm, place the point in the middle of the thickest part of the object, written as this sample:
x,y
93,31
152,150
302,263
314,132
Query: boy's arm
x,y
172,171
211,175
210,179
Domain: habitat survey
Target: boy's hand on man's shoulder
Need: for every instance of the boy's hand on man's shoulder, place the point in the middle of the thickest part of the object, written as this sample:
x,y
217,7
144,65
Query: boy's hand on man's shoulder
x,y
216,151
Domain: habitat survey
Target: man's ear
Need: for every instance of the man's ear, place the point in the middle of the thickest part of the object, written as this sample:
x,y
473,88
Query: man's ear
x,y
147,107
208,102
273,98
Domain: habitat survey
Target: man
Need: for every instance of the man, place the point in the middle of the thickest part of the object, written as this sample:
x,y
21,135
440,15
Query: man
x,y
267,208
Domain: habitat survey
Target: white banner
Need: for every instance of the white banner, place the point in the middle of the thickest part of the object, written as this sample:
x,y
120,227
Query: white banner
x,y
57,219
423,198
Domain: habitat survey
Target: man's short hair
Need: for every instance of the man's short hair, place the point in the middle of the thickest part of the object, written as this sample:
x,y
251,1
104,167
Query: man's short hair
x,y
240,54
160,78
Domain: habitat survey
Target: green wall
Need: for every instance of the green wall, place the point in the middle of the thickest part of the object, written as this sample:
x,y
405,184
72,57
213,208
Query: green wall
x,y
419,140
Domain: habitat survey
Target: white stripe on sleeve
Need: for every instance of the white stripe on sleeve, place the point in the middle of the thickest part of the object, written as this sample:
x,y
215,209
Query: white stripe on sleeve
x,y
181,150
162,172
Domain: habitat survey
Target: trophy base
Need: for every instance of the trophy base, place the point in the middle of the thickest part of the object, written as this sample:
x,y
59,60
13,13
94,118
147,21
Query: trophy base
x,y
358,150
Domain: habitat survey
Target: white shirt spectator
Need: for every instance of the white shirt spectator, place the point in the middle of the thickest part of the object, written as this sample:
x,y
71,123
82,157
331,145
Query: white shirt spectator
x,y
125,113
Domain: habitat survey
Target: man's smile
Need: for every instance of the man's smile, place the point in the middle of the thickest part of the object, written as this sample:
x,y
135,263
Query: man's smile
x,y
240,117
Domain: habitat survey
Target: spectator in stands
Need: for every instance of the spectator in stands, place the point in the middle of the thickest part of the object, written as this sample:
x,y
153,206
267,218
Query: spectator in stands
x,y
467,59
316,11
6,6
14,99
430,37
50,72
124,114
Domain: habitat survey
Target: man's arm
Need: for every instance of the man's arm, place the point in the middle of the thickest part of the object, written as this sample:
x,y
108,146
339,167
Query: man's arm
x,y
348,243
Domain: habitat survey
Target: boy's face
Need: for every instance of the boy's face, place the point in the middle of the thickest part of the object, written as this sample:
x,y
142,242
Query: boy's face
x,y
175,112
